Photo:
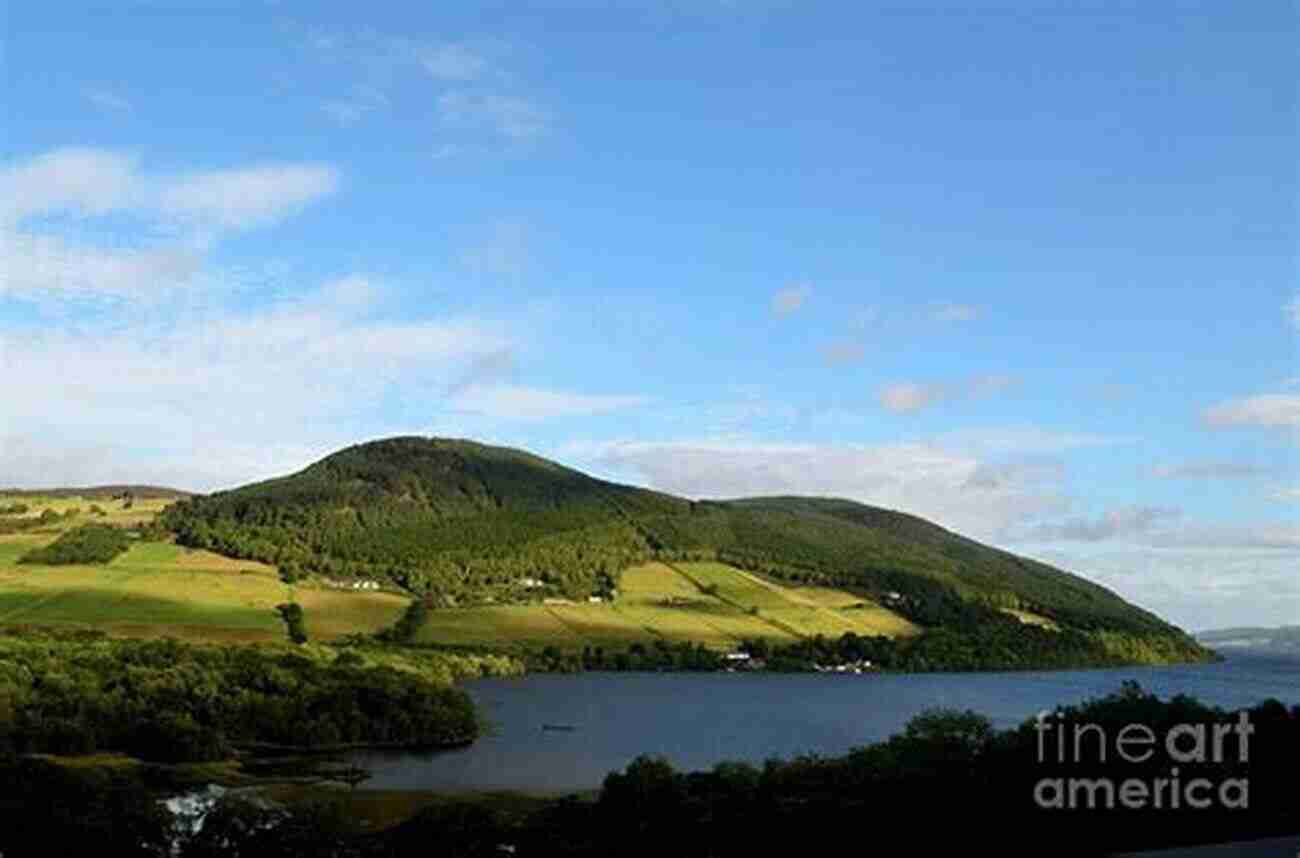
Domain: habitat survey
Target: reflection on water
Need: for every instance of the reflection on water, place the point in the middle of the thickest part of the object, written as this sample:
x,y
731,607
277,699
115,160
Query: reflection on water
x,y
696,720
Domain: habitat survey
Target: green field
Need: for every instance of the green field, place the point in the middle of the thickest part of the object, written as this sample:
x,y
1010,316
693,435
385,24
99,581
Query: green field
x,y
157,588
706,603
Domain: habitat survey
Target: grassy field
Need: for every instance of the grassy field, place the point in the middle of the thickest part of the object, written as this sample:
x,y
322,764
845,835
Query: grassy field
x,y
1032,619
804,611
157,588
707,603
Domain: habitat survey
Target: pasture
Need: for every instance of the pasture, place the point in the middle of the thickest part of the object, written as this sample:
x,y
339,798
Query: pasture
x,y
157,588
707,603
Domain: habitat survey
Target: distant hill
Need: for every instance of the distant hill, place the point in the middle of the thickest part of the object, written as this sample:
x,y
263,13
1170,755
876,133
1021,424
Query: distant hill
x,y
99,492
460,521
1283,639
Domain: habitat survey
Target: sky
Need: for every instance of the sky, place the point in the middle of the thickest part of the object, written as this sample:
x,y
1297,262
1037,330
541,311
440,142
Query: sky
x,y
1025,269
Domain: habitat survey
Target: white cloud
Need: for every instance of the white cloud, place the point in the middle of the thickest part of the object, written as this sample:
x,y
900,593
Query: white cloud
x,y
1292,311
791,298
1274,410
354,292
44,261
1290,494
355,106
250,196
205,462
107,100
949,312
455,61
512,402
178,390
76,180
37,266
949,487
1198,588
911,397
513,117
90,182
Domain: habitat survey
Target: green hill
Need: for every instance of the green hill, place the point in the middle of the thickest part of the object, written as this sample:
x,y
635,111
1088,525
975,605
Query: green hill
x,y
463,523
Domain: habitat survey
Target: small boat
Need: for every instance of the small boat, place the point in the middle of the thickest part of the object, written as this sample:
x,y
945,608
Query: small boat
x,y
564,727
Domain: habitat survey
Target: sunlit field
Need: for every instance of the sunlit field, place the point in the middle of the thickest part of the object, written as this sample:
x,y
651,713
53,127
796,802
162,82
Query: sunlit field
x,y
157,588
707,603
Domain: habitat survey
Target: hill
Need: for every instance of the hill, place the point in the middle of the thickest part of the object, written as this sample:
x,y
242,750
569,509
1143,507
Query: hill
x,y
463,523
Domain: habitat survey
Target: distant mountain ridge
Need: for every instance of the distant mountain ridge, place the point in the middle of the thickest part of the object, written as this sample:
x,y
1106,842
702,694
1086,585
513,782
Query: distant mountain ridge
x,y
1283,639
104,492
461,521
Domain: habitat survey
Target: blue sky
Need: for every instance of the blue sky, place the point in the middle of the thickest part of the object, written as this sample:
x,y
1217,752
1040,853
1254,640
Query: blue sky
x,y
1025,269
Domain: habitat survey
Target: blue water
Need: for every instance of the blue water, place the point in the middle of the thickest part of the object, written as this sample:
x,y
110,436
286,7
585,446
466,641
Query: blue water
x,y
697,720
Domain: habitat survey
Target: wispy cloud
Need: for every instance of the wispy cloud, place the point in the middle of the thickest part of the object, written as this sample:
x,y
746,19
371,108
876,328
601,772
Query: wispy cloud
x,y
355,106
1210,470
107,100
40,265
479,103
1025,440
76,180
249,196
1292,311
454,61
1270,410
190,210
486,369
912,397
791,298
310,369
512,402
1121,523
950,487
513,117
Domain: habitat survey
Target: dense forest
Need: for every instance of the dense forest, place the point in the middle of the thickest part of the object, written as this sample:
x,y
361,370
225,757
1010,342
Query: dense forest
x,y
161,700
995,792
459,522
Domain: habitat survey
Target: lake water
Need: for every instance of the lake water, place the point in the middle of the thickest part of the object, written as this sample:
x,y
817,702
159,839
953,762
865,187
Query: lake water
x,y
697,720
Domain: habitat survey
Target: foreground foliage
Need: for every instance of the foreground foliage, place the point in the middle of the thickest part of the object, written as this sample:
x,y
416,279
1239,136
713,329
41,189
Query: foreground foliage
x,y
971,788
166,701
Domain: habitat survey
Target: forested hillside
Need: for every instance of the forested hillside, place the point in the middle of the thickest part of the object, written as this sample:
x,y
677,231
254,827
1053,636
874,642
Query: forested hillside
x,y
461,522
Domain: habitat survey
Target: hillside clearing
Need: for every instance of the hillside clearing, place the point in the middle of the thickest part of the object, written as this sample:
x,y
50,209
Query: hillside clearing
x,y
672,603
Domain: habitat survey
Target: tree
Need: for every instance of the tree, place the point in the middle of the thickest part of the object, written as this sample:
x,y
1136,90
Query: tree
x,y
292,614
